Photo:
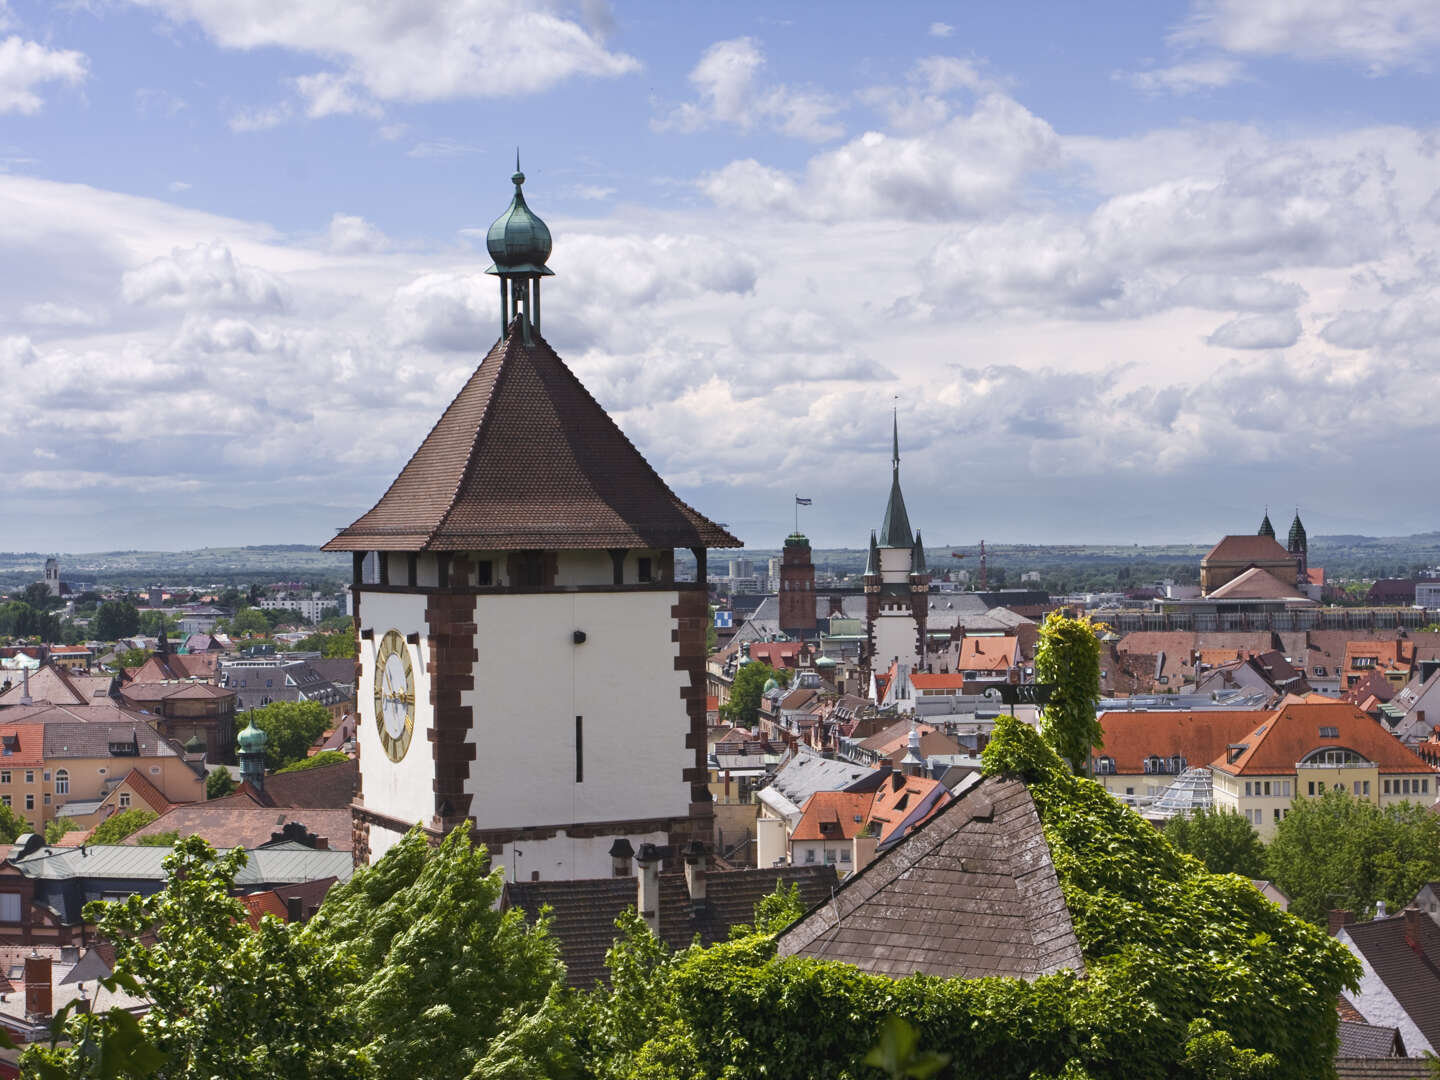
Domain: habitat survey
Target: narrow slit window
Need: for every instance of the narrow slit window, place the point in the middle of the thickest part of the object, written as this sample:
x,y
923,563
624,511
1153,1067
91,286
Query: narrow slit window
x,y
579,749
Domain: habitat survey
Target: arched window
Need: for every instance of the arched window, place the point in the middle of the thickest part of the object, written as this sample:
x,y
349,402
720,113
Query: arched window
x,y
62,782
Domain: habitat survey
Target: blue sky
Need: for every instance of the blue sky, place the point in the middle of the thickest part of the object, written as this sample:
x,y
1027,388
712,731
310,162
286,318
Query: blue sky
x,y
1130,272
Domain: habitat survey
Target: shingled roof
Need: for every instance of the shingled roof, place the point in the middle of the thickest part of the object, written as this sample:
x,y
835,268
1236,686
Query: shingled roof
x,y
973,892
585,911
524,457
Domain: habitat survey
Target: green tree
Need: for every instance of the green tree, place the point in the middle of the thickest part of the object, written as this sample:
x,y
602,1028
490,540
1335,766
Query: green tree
x,y
1337,851
316,761
291,727
332,646
219,783
444,983
225,1000
11,825
55,828
159,839
131,658
116,619
248,622
743,708
1068,657
152,622
1221,839
120,825
37,595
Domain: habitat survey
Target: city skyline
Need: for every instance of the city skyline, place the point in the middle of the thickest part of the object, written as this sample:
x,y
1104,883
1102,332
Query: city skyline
x,y
1126,276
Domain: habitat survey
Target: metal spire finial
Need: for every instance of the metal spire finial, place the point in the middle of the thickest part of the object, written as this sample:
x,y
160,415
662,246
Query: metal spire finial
x,y
895,419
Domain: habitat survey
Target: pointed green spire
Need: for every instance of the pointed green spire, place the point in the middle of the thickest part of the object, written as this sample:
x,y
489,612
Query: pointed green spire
x,y
895,529
1298,540
872,560
917,555
1266,529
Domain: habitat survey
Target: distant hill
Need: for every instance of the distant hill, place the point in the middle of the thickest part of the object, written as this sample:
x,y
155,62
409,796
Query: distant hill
x,y
204,566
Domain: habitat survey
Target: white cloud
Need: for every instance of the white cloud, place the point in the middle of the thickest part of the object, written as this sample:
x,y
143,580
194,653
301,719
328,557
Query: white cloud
x,y
731,95
177,186
972,164
941,30
351,235
50,313
424,50
206,275
591,192
1380,35
328,94
442,147
1257,332
1187,77
1410,322
260,118
26,65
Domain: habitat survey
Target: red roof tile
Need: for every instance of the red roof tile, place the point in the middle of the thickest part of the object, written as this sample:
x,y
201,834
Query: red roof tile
x,y
1198,737
833,815
524,457
1256,549
1292,732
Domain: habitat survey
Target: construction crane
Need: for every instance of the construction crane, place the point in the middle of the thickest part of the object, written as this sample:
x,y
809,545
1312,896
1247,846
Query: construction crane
x,y
984,577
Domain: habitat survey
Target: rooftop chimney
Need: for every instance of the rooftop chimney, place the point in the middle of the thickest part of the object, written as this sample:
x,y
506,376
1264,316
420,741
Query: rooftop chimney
x,y
622,856
1380,909
1335,918
25,698
293,910
648,889
1412,929
695,859
37,985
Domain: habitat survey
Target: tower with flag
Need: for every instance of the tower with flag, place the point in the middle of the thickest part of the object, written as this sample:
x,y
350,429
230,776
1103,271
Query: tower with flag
x,y
896,582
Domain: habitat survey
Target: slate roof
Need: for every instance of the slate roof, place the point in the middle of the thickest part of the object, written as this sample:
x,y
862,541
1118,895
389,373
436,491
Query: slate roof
x,y
227,824
1412,974
325,787
1369,1041
1406,1068
806,773
268,865
524,457
971,893
77,740
585,911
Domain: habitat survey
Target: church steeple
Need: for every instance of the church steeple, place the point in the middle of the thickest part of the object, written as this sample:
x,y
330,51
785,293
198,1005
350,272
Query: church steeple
x,y
895,529
1299,542
519,242
1266,529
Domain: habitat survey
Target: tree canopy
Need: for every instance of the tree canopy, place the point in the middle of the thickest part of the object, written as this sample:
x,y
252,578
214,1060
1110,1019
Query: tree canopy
x,y
219,784
1337,851
11,825
743,708
248,622
1068,657
290,728
316,761
115,619
120,825
1221,839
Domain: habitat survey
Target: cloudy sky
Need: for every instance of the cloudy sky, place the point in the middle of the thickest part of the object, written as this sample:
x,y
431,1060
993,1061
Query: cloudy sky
x,y
1128,272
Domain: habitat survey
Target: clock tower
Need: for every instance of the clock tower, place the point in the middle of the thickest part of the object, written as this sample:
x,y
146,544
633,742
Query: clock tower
x,y
528,662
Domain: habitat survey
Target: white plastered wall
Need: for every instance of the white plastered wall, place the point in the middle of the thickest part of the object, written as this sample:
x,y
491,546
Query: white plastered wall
x,y
564,857
894,636
401,789
532,680
381,841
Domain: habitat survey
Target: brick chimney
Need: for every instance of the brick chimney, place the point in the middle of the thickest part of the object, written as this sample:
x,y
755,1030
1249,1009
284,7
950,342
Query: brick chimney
x,y
1412,929
1335,918
648,886
37,985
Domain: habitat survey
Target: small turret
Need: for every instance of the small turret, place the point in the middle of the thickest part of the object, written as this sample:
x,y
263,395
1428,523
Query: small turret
x,y
1266,529
520,244
251,751
917,556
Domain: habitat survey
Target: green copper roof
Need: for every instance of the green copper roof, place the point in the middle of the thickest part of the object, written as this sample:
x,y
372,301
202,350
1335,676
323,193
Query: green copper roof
x,y
917,555
519,241
872,560
1298,540
895,529
1266,529
252,739
797,539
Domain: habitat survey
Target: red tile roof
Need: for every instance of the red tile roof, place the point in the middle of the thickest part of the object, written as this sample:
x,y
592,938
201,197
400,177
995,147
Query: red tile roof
x,y
833,815
987,654
1255,584
922,680
899,798
524,457
28,748
1292,732
145,791
1246,549
1198,737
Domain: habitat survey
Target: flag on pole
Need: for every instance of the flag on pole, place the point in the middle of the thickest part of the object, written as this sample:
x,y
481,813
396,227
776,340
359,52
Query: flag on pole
x,y
801,502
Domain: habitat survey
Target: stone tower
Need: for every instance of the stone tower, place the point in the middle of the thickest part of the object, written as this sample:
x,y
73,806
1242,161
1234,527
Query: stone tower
x,y
797,588
896,582
528,665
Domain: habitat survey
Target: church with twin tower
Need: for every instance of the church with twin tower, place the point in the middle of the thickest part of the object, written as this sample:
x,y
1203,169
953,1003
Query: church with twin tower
x,y
528,665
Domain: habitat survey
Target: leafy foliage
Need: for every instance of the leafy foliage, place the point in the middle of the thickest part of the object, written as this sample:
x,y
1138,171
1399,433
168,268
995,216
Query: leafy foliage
x,y
438,974
11,825
1188,974
120,825
1068,656
248,622
1334,850
116,619
331,646
290,728
131,658
316,761
159,839
55,828
743,708
1221,839
219,784
19,619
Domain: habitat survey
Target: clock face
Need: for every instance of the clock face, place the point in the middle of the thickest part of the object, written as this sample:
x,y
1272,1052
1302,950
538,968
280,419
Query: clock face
x,y
394,694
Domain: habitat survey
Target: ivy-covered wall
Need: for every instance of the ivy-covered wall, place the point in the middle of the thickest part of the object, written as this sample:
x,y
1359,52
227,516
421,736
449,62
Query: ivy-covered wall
x,y
1188,974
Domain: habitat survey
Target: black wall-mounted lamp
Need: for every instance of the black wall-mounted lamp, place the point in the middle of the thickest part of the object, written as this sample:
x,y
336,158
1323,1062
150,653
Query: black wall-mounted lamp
x,y
578,637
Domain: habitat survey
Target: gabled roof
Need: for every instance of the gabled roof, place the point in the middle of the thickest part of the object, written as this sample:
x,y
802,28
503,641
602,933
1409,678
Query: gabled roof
x,y
524,457
1294,731
1247,549
227,823
325,787
1256,584
144,790
987,653
1198,737
1407,963
972,892
834,815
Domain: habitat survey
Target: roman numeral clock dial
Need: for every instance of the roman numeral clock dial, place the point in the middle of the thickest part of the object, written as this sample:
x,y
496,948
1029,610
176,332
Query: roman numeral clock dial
x,y
394,695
